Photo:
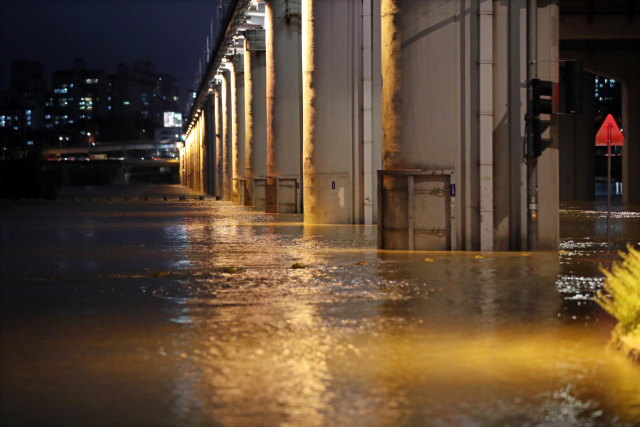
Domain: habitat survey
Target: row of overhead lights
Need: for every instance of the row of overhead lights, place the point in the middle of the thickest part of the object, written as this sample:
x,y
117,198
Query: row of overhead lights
x,y
218,76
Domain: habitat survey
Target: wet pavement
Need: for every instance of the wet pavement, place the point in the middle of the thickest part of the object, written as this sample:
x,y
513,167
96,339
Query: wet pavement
x,y
123,314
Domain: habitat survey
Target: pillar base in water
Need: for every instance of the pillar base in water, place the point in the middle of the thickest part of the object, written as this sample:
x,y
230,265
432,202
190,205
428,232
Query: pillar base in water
x,y
254,192
281,195
416,210
327,199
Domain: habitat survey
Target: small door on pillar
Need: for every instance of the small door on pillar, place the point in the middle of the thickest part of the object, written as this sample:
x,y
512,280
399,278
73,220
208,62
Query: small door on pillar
x,y
431,213
416,212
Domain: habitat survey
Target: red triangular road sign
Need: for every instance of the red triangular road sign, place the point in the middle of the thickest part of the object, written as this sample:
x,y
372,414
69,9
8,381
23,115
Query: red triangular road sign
x,y
608,130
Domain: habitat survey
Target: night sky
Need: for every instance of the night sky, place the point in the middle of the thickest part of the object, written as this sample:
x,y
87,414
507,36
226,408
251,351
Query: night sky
x,y
171,33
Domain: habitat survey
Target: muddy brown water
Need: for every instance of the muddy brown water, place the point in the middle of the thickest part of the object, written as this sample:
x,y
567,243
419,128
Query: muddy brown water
x,y
92,335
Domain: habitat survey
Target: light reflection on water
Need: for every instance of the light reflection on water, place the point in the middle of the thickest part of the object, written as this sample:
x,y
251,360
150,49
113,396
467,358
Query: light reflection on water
x,y
504,340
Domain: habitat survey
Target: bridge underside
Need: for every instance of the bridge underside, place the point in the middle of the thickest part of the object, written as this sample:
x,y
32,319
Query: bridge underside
x,y
409,114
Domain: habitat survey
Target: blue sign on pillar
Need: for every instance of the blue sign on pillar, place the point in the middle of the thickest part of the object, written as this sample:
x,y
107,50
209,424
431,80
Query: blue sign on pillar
x,y
333,185
453,190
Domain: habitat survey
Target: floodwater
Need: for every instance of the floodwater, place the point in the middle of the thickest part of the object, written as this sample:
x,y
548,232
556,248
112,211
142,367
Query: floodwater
x,y
94,333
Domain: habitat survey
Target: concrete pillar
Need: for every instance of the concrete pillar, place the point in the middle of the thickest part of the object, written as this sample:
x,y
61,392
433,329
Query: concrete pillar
x,y
210,143
239,161
501,158
331,89
631,127
577,148
220,133
426,115
284,103
255,82
549,162
517,109
228,113
376,104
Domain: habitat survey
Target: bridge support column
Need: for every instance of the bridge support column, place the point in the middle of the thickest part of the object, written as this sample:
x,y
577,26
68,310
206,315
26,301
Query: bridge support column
x,y
577,148
210,144
239,165
451,100
284,104
228,113
332,109
549,162
219,163
255,82
427,111
631,126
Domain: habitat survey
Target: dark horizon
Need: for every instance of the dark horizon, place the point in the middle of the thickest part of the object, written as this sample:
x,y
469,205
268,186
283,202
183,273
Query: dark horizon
x,y
102,31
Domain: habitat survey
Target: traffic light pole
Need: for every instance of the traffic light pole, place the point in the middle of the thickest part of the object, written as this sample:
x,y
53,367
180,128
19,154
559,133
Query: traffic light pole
x,y
533,126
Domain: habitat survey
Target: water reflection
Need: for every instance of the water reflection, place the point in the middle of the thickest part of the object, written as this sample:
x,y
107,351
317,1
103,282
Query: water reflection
x,y
503,339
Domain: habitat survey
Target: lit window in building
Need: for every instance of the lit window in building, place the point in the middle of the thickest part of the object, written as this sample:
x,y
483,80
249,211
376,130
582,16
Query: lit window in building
x,y
29,142
126,102
89,108
175,98
109,107
48,116
88,99
28,112
70,121
91,81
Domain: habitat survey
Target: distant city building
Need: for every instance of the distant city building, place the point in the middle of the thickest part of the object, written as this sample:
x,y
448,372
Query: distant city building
x,y
136,99
27,79
79,95
140,90
21,106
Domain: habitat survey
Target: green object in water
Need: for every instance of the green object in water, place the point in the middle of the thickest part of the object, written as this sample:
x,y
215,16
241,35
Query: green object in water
x,y
298,265
622,284
231,269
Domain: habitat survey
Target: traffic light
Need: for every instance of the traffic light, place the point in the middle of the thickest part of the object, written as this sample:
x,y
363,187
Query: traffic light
x,y
546,100
539,105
